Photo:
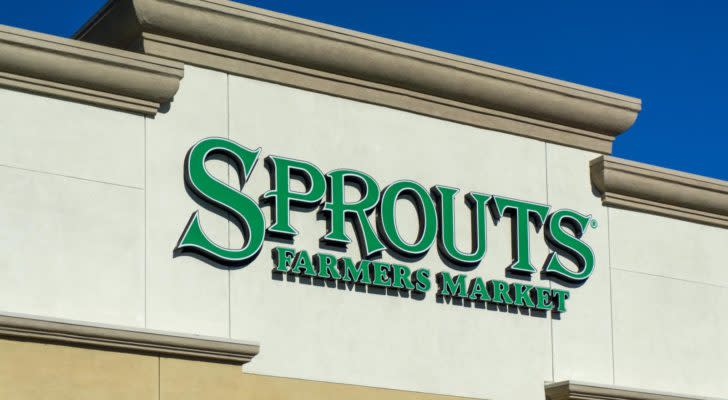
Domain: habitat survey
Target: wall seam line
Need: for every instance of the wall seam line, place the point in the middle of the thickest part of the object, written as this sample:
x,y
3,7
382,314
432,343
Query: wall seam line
x,y
229,272
551,318
611,296
146,227
672,278
70,177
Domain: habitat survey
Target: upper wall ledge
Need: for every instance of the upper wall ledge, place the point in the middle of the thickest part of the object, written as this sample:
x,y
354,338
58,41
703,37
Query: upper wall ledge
x,y
84,72
123,339
643,187
574,390
252,42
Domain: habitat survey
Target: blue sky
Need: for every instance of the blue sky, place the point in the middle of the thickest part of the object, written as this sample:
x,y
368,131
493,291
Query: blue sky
x,y
673,55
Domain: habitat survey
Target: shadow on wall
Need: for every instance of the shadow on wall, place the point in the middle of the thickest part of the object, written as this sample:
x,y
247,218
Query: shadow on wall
x,y
177,252
348,286
403,293
371,289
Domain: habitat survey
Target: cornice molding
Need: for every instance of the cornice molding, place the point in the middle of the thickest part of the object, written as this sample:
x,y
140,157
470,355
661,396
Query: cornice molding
x,y
115,338
257,43
643,187
572,390
84,72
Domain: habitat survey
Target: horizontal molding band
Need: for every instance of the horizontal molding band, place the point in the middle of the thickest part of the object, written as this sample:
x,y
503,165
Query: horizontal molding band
x,y
84,72
82,95
249,41
108,337
573,390
643,187
369,92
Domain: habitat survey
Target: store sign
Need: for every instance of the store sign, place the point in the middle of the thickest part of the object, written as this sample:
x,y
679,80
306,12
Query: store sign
x,y
435,207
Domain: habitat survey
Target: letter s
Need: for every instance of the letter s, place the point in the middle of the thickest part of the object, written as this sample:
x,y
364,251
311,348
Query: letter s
x,y
571,245
210,189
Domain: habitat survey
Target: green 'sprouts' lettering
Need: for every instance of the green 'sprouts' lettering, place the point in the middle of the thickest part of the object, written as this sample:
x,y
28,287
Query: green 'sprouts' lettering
x,y
478,290
452,287
337,209
477,203
355,272
327,266
240,206
522,211
281,195
500,292
283,257
572,245
387,223
422,280
563,229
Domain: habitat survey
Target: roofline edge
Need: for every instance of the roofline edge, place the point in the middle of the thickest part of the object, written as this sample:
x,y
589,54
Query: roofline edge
x,y
125,339
655,190
181,30
87,73
576,390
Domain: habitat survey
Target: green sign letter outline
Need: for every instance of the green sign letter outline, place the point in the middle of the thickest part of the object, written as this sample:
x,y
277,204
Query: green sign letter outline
x,y
570,244
477,203
210,189
337,209
387,223
522,210
281,195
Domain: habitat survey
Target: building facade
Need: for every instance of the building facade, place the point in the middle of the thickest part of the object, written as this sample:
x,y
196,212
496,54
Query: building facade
x,y
194,185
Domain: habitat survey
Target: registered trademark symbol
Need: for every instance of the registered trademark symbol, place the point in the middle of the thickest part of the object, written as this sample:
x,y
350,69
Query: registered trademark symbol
x,y
593,224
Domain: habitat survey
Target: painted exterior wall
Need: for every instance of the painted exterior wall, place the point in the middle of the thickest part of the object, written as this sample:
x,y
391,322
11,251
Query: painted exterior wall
x,y
72,206
30,370
94,203
668,292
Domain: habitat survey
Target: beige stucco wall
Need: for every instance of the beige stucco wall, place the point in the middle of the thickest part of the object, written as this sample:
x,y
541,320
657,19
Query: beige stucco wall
x,y
31,370
94,203
37,371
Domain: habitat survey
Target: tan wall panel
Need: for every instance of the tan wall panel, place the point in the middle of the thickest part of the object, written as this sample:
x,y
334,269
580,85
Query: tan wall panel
x,y
183,379
38,371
